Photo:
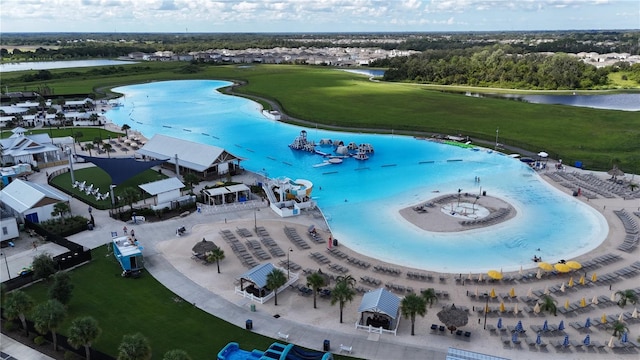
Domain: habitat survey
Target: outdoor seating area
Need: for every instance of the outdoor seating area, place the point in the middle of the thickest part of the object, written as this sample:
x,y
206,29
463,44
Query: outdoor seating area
x,y
295,238
339,268
387,270
631,229
489,219
90,190
268,242
359,263
257,250
319,258
608,189
239,249
337,253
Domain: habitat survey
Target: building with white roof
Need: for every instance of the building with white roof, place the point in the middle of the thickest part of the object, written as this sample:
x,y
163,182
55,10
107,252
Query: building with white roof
x,y
30,201
28,149
205,161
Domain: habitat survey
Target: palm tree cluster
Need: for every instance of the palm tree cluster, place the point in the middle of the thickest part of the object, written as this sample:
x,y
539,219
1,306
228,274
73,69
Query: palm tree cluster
x,y
413,305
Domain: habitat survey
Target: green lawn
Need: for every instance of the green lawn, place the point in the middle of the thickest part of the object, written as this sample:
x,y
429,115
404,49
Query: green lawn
x,y
598,138
126,306
100,179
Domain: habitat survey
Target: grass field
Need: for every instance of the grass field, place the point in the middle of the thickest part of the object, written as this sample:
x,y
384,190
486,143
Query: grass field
x,y
598,138
126,306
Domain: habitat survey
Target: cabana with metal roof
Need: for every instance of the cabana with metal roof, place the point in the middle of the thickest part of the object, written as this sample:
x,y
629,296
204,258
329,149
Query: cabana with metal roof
x,y
379,312
227,194
163,191
184,156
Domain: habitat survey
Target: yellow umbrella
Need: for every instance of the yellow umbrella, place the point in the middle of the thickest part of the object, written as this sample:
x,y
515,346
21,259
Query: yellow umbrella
x,y
574,265
562,287
566,305
496,275
512,292
603,319
486,309
492,293
583,302
516,311
594,277
502,309
563,268
545,266
571,282
536,308
581,281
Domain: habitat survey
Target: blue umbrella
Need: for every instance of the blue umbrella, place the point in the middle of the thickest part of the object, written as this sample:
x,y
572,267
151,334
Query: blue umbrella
x,y
545,326
538,339
514,337
499,323
625,337
566,341
519,325
587,340
561,325
587,323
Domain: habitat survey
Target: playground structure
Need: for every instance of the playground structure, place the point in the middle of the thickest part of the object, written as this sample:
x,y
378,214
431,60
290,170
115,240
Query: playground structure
x,y
287,197
278,351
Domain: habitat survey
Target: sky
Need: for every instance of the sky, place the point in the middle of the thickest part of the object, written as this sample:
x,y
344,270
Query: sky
x,y
234,16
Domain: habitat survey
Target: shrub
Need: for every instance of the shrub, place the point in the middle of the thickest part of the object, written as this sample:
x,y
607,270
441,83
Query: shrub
x,y
9,326
39,340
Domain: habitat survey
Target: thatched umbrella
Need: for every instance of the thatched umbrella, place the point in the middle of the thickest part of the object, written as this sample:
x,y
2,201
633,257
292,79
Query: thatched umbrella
x,y
203,247
453,317
615,172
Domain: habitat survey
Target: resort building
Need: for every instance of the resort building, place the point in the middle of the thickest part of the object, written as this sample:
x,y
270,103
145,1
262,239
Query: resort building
x,y
30,201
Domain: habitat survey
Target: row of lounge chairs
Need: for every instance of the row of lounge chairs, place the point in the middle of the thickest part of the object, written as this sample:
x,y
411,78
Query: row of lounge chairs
x,y
239,249
319,258
268,242
589,182
358,262
295,238
339,268
398,288
615,186
491,218
292,266
337,253
419,276
257,250
632,231
370,281
388,270
315,237
244,232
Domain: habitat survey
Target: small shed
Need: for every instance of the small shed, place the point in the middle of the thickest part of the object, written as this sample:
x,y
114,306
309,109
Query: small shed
x,y
379,309
164,191
257,279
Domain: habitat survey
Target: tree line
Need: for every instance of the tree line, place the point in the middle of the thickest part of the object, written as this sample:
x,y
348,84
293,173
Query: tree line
x,y
495,66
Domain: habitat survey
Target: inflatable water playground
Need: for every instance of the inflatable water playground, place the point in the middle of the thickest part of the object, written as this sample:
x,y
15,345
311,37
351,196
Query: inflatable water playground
x,y
277,351
341,150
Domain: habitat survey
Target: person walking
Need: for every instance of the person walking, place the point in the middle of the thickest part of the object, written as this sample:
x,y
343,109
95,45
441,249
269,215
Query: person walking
x,y
124,229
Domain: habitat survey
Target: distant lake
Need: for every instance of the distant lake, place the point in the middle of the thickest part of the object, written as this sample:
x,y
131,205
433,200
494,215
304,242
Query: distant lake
x,y
46,65
626,102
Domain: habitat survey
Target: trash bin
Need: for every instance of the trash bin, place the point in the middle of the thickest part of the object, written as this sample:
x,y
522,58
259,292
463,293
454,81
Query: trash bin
x,y
326,346
249,324
253,307
335,242
90,226
484,193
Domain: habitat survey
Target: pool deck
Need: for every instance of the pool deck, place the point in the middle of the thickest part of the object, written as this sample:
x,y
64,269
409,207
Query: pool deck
x,y
169,259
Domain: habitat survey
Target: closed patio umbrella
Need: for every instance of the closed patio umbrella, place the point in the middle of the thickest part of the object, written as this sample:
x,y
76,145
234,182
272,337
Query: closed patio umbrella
x,y
587,340
615,172
514,337
574,265
512,292
546,290
621,317
566,305
530,292
570,282
565,343
519,326
499,325
502,308
561,325
545,326
562,287
634,314
611,342
536,308
583,302
594,301
613,296
594,277
520,272
480,278
587,323
515,309
603,319
625,337
492,294
470,277
581,281
538,339
539,274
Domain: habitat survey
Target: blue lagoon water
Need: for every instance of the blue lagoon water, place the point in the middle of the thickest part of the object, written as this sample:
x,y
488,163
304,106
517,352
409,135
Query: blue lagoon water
x,y
362,199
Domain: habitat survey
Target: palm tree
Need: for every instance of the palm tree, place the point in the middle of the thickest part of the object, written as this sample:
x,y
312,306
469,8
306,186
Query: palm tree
x,y
315,281
429,296
126,128
62,288
93,118
275,279
89,147
349,280
60,118
626,296
341,293
77,135
49,316
61,209
190,179
17,304
97,141
83,332
176,354
130,195
134,347
549,304
618,328
216,255
107,147
411,306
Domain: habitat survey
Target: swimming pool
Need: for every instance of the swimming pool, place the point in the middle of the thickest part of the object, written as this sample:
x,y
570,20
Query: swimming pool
x,y
361,199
